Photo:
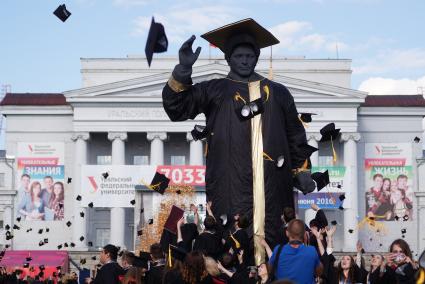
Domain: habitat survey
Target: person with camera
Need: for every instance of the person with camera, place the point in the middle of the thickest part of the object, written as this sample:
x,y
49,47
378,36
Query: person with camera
x,y
400,268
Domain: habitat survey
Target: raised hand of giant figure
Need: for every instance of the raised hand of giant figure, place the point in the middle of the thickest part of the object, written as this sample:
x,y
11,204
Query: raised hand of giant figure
x,y
183,71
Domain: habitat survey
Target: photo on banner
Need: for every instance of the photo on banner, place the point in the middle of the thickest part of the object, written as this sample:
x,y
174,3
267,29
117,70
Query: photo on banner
x,y
388,177
40,181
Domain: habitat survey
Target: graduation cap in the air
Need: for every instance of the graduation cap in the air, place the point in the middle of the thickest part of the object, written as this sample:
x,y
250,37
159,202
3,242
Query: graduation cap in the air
x,y
72,245
16,227
26,265
47,230
78,198
81,238
350,231
28,259
40,231
251,109
417,139
334,222
159,183
29,230
62,13
18,219
305,117
66,245
150,221
321,179
330,133
59,246
199,132
341,207
83,261
175,215
82,214
90,205
132,202
90,244
140,232
157,40
40,243
9,235
405,217
69,223
7,227
244,31
342,197
105,175
403,231
46,240
396,217
69,180
93,257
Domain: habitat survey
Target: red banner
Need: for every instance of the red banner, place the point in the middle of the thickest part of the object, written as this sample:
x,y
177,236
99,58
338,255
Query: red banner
x,y
384,162
37,162
187,175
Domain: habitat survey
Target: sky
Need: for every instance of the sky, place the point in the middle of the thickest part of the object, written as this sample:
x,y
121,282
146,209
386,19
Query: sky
x,y
383,38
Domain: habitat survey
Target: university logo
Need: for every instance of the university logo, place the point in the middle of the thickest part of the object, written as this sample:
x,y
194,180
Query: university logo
x,y
93,184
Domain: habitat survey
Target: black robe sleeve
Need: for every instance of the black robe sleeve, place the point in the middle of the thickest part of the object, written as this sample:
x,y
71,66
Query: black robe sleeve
x,y
295,131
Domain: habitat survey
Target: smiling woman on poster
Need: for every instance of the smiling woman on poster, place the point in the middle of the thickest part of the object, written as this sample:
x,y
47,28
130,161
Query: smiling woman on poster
x,y
35,211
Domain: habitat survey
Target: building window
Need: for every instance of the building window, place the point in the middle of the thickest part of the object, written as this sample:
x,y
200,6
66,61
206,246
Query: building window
x,y
102,237
1,179
104,160
178,160
140,160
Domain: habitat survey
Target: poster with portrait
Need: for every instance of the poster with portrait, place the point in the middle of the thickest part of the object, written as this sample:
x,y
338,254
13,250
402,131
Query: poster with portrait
x,y
40,181
388,178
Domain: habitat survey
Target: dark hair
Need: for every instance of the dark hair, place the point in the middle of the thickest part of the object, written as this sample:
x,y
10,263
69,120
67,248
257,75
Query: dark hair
x,y
340,272
49,177
314,223
402,176
377,175
193,270
296,229
243,221
112,251
403,245
25,175
128,256
156,251
227,260
209,223
288,214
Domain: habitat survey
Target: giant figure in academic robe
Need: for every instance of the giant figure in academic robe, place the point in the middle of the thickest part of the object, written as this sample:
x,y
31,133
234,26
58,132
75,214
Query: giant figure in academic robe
x,y
256,143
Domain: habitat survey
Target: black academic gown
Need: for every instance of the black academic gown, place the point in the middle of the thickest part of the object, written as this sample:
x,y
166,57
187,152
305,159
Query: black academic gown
x,y
229,174
109,274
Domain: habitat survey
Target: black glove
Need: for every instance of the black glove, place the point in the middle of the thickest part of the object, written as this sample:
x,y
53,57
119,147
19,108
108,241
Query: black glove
x,y
304,182
183,71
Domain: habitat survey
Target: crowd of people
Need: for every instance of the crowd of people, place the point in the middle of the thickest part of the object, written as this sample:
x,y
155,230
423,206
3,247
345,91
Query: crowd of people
x,y
37,202
217,255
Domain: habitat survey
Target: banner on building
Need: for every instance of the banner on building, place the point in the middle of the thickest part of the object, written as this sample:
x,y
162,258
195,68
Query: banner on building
x,y
40,186
388,178
328,197
114,185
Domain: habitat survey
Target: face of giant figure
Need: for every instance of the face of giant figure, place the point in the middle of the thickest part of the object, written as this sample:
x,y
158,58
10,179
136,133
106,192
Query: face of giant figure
x,y
242,61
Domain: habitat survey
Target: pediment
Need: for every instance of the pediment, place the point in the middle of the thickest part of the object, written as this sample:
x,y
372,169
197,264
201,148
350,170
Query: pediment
x,y
148,89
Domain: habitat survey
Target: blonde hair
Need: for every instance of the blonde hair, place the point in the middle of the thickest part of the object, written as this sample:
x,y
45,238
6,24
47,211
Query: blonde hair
x,y
211,266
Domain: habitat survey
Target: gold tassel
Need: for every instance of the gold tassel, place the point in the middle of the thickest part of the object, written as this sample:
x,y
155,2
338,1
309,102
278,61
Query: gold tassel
x,y
303,123
333,152
267,91
152,187
421,278
170,263
239,97
237,244
267,157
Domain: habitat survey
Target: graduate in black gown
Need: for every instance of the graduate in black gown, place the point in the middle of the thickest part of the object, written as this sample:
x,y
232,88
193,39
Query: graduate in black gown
x,y
253,131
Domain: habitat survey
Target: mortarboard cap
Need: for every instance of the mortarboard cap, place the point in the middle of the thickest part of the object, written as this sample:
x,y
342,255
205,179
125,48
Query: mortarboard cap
x,y
90,205
7,227
321,179
62,13
199,132
47,230
306,116
9,235
145,255
93,257
59,246
28,259
18,219
405,217
132,202
159,183
40,231
342,197
139,232
82,214
305,150
69,180
341,207
40,243
175,215
244,31
16,227
67,223
81,238
329,132
26,265
334,222
83,261
396,217
403,231
142,210
46,241
177,252
29,230
417,139
72,245
78,198
350,231
150,221
65,245
157,40
105,175
90,244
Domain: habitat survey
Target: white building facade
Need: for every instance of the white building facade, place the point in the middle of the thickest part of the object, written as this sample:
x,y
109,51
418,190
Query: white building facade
x,y
117,118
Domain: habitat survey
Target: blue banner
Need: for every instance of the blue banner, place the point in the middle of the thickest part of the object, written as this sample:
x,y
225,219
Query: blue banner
x,y
325,200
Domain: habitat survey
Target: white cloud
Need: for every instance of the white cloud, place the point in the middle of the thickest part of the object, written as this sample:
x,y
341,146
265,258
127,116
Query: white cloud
x,y
388,86
182,21
390,60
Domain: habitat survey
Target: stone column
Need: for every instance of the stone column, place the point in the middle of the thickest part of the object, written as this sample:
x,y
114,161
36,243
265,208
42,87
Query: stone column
x,y
79,226
351,190
196,151
157,147
118,213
